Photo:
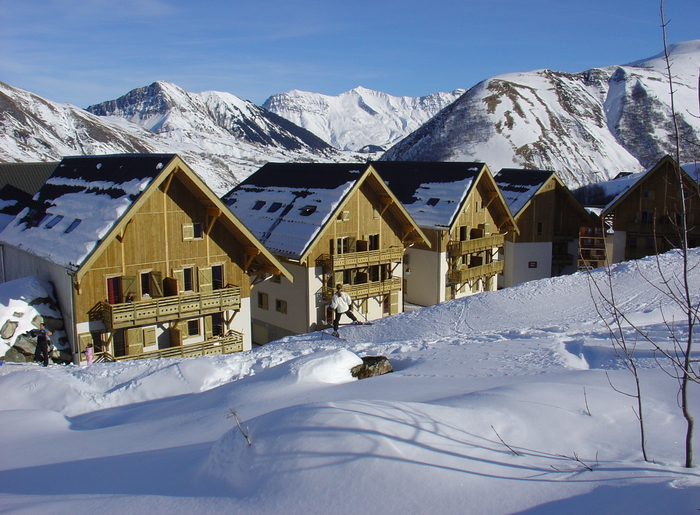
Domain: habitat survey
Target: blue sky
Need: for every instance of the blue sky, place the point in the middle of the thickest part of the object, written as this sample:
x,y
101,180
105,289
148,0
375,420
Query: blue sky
x,y
88,51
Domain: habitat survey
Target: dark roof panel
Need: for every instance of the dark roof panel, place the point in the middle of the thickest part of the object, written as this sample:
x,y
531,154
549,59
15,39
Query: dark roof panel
x,y
28,177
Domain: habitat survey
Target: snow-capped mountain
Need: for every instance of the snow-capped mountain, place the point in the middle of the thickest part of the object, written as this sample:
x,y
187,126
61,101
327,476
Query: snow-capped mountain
x,y
359,119
223,138
587,126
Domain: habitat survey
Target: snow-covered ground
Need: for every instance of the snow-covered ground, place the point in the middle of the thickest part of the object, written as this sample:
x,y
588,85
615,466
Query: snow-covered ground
x,y
527,366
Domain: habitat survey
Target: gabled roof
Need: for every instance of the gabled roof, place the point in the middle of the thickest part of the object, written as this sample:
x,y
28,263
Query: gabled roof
x,y
287,205
434,192
622,187
520,186
89,199
28,177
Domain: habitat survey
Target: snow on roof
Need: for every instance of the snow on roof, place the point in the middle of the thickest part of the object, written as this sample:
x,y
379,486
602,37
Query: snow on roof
x,y
432,193
619,185
78,205
519,186
286,205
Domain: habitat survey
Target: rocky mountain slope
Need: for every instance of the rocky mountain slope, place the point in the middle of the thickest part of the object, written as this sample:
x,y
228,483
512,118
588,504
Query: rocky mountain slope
x,y
588,126
223,138
359,119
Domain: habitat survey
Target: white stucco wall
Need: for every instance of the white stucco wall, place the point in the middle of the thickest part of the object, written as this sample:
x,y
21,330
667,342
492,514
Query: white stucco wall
x,y
517,257
295,294
425,284
618,241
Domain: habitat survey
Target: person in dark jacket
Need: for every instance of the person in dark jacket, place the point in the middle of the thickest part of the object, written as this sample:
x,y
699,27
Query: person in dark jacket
x,y
42,343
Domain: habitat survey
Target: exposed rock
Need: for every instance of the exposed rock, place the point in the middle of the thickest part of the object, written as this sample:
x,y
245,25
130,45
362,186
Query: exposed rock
x,y
15,356
25,344
8,329
53,324
37,321
371,366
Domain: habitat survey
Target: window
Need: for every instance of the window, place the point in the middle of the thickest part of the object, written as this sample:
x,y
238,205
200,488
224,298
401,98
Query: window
x,y
259,205
262,300
633,242
193,327
651,244
433,201
647,217
373,242
113,287
539,228
192,231
307,210
188,279
75,223
274,207
145,284
51,223
281,306
217,324
217,277
342,245
463,232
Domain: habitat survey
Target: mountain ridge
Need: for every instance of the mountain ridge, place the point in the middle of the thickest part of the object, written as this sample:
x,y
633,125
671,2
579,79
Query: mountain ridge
x,y
588,126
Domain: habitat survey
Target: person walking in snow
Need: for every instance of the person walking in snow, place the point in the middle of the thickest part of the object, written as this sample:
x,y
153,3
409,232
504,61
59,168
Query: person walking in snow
x,y
341,303
88,353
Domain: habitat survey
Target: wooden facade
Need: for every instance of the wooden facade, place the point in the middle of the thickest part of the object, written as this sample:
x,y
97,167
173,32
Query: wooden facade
x,y
172,272
646,218
360,245
465,237
550,220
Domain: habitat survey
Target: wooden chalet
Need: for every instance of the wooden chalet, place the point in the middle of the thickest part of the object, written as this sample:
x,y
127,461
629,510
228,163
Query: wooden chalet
x,y
146,261
550,220
462,212
328,224
643,218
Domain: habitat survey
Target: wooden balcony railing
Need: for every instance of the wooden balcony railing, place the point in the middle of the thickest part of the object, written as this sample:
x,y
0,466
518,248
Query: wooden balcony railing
x,y
370,289
646,228
225,345
360,259
163,309
462,248
565,235
562,260
463,275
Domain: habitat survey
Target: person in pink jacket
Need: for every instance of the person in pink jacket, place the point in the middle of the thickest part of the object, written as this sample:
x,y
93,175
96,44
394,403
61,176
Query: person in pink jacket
x,y
88,353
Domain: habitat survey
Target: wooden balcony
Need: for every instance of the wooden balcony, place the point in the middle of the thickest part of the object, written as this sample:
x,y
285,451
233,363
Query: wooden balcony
x,y
360,259
562,260
225,345
165,309
462,248
565,235
464,275
650,229
365,290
